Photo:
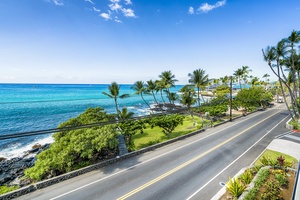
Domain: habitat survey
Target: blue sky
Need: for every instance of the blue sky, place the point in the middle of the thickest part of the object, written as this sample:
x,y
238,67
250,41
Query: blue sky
x,y
100,41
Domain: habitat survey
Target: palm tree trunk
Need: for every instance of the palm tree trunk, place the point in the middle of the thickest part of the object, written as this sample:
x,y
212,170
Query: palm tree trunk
x,y
154,98
283,94
162,97
117,109
146,103
198,88
191,113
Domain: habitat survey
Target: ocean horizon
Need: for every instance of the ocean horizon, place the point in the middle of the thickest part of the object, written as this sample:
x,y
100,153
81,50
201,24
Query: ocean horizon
x,y
32,106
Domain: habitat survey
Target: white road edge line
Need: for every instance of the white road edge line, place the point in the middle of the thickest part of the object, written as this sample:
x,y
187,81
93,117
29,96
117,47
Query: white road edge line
x,y
283,134
79,188
234,160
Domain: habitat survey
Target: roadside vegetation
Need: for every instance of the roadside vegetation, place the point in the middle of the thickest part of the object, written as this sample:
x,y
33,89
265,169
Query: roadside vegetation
x,y
271,177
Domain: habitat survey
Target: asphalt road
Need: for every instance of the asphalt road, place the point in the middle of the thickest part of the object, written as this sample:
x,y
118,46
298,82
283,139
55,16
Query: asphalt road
x,y
189,169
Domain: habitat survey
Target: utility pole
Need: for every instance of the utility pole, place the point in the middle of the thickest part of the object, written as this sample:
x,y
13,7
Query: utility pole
x,y
230,111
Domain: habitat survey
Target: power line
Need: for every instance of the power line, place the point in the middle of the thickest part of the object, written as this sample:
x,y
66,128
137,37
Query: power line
x,y
69,128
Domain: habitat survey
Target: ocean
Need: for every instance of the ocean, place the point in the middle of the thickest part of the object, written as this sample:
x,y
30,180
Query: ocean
x,y
32,107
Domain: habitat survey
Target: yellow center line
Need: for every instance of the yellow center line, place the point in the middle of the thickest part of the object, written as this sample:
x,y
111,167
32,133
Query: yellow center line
x,y
189,162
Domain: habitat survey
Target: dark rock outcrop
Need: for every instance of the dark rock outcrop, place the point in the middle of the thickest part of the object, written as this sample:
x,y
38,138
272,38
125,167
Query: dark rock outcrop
x,y
12,170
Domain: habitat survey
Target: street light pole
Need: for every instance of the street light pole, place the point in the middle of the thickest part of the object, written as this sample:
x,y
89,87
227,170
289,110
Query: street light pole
x,y
230,111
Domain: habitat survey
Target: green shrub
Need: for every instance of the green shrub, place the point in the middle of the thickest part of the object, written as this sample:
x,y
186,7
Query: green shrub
x,y
295,125
266,161
272,191
76,148
247,177
281,179
235,187
5,189
263,174
251,194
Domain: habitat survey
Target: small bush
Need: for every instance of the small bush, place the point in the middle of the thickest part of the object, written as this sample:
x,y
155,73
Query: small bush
x,y
5,189
235,187
281,179
246,177
251,194
295,125
272,191
262,176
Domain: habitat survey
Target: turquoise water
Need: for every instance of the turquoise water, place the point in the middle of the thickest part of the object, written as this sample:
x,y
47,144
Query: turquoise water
x,y
31,107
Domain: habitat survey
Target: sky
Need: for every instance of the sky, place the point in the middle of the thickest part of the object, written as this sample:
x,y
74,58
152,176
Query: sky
x,y
101,41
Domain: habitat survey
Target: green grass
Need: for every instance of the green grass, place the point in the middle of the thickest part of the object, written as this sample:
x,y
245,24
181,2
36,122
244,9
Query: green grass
x,y
273,155
155,135
5,189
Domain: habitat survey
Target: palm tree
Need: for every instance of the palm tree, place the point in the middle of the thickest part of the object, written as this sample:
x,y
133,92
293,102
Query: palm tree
x,y
173,97
239,73
151,87
114,93
124,114
225,80
254,81
199,79
139,88
187,98
246,71
167,80
266,76
291,41
160,86
275,54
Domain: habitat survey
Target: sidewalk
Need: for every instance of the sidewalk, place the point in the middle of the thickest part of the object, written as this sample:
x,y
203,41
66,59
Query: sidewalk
x,y
286,147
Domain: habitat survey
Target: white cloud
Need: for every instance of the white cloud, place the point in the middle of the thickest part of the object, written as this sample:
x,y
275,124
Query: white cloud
x,y
205,7
191,10
106,16
58,2
115,7
114,1
90,1
96,9
128,12
118,21
128,2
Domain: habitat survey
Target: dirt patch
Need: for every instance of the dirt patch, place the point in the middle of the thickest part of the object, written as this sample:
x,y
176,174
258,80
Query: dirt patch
x,y
285,192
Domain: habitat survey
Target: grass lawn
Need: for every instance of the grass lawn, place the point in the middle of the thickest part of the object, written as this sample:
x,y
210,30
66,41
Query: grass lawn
x,y
274,155
155,135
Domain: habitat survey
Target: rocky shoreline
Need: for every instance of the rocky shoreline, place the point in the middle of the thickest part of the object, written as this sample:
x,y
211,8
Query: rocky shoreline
x,y
12,170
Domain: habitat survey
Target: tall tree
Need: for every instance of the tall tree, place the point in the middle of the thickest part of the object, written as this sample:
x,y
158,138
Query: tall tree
x,y
273,56
160,86
238,74
245,75
199,79
266,77
293,39
114,93
225,80
151,87
188,99
140,89
168,80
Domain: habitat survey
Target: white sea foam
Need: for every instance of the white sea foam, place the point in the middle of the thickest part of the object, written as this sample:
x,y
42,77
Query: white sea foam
x,y
17,150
